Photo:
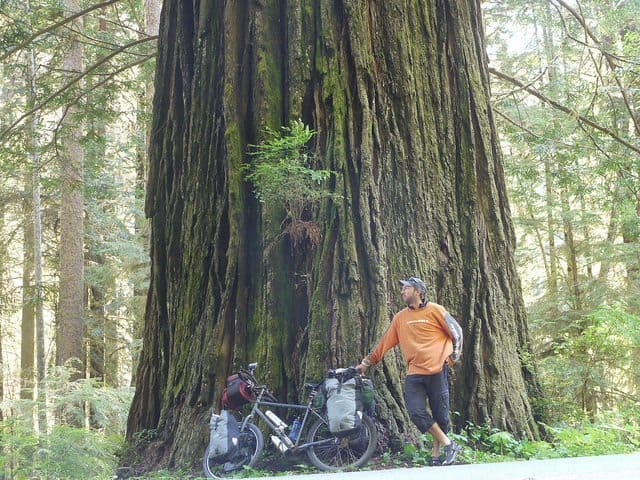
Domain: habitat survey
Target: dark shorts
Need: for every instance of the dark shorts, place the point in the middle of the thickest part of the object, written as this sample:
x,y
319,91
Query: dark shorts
x,y
435,388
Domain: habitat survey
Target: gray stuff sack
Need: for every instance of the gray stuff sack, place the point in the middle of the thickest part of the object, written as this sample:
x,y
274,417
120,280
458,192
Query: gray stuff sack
x,y
223,436
344,407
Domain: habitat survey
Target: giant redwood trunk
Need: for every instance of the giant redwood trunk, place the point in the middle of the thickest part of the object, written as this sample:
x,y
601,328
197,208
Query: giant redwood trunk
x,y
398,92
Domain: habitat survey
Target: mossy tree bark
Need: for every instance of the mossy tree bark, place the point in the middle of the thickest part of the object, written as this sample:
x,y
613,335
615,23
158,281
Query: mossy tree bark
x,y
398,93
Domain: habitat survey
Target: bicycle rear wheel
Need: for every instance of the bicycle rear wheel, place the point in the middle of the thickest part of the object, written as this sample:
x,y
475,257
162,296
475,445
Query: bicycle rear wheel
x,y
342,453
250,445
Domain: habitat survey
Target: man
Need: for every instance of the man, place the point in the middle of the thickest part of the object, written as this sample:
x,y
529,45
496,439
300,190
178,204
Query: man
x,y
430,340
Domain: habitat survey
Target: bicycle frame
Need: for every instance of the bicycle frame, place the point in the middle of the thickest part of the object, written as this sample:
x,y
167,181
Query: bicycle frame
x,y
308,409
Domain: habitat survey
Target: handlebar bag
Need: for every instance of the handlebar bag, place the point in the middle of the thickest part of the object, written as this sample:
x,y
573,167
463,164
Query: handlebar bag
x,y
223,436
237,393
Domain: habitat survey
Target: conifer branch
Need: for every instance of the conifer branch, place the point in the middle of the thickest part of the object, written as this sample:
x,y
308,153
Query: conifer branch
x,y
76,79
562,108
52,27
610,61
100,83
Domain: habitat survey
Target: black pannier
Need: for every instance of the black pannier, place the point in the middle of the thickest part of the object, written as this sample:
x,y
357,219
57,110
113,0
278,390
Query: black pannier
x,y
237,393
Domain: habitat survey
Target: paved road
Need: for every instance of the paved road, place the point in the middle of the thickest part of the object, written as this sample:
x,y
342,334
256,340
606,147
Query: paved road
x,y
610,467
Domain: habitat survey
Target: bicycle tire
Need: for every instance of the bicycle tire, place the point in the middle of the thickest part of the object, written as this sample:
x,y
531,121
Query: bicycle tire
x,y
343,453
250,445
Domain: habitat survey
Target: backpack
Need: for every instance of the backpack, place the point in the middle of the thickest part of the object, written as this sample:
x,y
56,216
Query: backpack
x,y
344,405
223,437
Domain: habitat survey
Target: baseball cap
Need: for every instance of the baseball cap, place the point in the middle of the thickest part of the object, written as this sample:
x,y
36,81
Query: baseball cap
x,y
415,283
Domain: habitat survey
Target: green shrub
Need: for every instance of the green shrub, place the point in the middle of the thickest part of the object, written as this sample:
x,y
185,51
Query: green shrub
x,y
483,444
64,453
593,440
61,450
283,178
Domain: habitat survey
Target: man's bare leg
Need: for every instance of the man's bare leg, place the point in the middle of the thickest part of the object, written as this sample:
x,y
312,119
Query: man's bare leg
x,y
436,449
439,437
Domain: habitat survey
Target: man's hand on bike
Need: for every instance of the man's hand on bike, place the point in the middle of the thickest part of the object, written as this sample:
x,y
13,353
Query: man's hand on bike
x,y
362,368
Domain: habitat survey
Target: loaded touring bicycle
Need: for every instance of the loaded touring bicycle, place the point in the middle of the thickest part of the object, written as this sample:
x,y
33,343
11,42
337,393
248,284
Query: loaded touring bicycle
x,y
337,420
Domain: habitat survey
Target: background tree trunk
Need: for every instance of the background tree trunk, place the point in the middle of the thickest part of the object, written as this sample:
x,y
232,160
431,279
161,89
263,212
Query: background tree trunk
x,y
70,318
1,372
27,324
36,223
31,273
3,255
399,96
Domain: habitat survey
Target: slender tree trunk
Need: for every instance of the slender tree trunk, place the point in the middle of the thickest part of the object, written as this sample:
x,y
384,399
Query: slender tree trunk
x,y
27,325
96,324
1,367
571,252
612,228
36,219
39,295
30,363
631,237
552,279
398,94
102,328
70,339
103,341
3,256
586,240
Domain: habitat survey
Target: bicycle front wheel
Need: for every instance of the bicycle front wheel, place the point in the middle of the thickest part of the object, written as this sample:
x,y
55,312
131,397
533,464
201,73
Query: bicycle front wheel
x,y
250,445
342,453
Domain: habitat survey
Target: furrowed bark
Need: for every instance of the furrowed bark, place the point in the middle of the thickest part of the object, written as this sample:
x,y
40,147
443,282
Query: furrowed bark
x,y
399,96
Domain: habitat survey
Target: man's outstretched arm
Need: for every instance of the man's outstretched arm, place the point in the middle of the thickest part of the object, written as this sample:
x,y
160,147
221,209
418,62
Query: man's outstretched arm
x,y
455,331
388,340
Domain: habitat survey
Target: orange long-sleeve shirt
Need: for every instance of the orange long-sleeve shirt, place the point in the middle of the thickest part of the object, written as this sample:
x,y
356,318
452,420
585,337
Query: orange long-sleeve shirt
x,y
423,336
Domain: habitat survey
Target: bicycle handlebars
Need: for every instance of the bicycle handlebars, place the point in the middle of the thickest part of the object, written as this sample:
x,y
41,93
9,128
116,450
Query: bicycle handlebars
x,y
342,373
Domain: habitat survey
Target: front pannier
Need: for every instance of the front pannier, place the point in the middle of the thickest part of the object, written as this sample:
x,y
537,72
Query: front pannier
x,y
237,393
368,399
344,405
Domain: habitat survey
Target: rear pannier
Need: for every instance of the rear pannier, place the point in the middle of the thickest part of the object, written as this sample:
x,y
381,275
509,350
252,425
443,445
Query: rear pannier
x,y
223,436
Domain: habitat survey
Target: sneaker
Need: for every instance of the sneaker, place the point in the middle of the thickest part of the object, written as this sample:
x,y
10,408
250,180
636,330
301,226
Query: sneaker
x,y
451,452
435,462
